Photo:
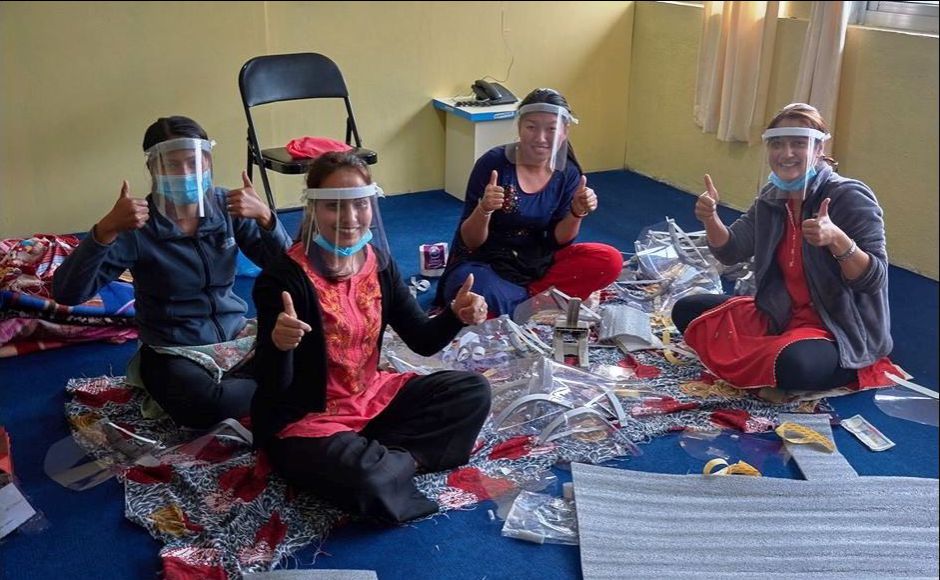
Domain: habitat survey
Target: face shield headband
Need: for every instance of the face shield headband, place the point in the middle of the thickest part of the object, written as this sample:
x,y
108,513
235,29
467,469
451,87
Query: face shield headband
x,y
813,137
517,154
339,194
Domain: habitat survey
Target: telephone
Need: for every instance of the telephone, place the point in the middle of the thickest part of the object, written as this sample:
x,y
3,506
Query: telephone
x,y
490,94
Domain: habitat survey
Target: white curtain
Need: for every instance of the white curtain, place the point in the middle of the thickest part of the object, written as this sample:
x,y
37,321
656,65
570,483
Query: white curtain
x,y
734,68
821,62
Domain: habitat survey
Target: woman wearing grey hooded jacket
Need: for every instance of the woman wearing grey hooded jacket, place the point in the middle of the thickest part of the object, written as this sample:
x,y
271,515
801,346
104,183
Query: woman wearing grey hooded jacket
x,y
819,318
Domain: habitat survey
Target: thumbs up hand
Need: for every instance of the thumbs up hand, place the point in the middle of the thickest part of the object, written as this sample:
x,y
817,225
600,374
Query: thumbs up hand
x,y
288,330
820,231
706,206
493,195
469,307
128,213
584,201
244,202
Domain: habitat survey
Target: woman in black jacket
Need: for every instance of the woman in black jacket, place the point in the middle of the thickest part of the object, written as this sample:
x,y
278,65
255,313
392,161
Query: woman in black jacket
x,y
330,421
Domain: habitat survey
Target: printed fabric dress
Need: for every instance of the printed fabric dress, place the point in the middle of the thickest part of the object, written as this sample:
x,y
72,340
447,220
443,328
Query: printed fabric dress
x,y
732,340
356,391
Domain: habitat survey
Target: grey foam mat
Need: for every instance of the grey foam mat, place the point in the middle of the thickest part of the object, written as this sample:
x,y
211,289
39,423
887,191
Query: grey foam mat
x,y
647,525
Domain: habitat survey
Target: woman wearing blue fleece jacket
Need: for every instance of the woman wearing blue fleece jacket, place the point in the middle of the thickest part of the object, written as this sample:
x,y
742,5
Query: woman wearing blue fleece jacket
x,y
819,319
181,243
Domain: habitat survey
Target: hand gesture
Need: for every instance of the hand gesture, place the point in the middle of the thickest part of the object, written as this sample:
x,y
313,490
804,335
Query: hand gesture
x,y
128,213
584,200
493,195
706,207
469,307
245,203
820,231
288,330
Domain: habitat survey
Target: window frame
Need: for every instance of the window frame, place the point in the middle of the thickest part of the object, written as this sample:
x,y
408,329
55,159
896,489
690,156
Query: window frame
x,y
920,17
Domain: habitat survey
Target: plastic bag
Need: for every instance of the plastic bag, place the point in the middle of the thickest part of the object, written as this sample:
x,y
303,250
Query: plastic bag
x,y
541,518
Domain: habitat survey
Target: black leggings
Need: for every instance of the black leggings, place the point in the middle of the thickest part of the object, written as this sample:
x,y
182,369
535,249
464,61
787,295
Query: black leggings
x,y
431,424
190,395
805,365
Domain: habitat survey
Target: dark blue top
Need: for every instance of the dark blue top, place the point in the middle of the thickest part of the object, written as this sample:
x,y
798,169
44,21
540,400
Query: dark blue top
x,y
528,218
183,285
525,226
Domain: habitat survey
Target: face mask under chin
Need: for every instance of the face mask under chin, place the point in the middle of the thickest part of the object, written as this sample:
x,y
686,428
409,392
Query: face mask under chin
x,y
797,184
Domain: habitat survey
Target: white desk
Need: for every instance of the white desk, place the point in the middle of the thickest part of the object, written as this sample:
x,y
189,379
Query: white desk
x,y
471,132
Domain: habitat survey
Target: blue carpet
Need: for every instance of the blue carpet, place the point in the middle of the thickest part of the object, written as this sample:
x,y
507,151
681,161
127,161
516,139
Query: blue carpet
x,y
87,535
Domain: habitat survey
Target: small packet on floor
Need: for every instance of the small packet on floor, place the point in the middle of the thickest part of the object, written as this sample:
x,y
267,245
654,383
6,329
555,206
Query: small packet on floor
x,y
867,433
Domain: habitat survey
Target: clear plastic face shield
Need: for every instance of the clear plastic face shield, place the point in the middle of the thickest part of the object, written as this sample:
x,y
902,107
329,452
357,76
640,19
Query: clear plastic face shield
x,y
182,177
793,156
343,229
542,131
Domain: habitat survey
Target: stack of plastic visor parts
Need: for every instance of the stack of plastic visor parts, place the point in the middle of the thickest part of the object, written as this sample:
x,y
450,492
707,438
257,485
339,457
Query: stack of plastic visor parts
x,y
792,159
542,131
669,266
182,178
575,410
344,229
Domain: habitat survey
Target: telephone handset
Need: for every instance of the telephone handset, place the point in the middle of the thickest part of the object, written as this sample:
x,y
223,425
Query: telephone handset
x,y
490,94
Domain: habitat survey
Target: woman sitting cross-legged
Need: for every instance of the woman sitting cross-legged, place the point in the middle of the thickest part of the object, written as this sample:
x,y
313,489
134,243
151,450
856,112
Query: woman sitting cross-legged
x,y
330,421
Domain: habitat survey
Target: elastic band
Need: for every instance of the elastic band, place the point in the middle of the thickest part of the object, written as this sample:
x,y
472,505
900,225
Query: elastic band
x,y
795,132
369,190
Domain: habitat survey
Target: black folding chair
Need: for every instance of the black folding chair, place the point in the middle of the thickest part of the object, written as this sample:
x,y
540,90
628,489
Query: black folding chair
x,y
289,77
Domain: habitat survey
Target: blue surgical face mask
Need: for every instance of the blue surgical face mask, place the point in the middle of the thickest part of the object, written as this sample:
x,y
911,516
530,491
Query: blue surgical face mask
x,y
183,189
794,184
345,252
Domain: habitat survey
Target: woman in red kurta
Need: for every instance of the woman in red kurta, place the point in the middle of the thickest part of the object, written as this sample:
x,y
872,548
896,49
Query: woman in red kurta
x,y
819,319
329,419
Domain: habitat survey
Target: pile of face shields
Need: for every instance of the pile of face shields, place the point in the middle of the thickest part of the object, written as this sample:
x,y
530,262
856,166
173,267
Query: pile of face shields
x,y
572,409
490,345
669,265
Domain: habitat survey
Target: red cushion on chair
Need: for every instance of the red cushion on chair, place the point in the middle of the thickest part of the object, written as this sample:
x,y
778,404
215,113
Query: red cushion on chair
x,y
312,147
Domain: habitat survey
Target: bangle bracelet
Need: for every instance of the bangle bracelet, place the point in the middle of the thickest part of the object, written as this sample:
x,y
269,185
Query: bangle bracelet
x,y
579,215
847,254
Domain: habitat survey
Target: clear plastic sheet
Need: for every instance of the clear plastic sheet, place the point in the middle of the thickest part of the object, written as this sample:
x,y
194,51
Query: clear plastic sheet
x,y
94,454
17,512
909,405
542,518
733,447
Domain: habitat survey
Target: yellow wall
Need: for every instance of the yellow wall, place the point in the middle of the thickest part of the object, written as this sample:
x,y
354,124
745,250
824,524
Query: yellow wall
x,y
81,82
885,132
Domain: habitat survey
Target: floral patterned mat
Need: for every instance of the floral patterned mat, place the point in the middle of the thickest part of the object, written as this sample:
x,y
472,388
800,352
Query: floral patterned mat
x,y
221,512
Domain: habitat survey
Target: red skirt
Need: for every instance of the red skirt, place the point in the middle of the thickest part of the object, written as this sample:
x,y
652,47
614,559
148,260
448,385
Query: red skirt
x,y
733,344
